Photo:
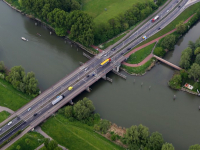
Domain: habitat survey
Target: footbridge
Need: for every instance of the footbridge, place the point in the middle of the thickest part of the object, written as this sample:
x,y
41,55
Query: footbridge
x,y
167,62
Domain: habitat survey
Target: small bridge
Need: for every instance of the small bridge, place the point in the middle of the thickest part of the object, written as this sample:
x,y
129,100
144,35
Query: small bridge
x,y
168,63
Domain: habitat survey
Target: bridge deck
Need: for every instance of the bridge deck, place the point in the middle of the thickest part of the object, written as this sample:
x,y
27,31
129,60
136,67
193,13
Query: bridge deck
x,y
168,63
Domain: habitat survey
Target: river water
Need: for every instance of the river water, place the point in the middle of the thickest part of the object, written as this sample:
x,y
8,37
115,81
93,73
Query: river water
x,y
122,102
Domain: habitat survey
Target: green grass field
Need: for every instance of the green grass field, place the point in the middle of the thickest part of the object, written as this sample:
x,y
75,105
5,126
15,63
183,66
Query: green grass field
x,y
140,55
138,70
35,138
96,8
76,135
182,17
4,115
12,98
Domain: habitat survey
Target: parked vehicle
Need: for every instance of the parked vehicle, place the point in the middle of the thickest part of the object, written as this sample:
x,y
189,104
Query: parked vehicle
x,y
155,18
106,61
58,99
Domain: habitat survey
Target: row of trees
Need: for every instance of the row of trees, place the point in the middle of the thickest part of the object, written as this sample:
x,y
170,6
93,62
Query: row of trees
x,y
120,23
21,81
63,15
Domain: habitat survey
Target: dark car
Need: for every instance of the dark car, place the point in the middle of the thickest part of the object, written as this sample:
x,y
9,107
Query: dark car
x,y
159,28
122,53
35,114
179,6
88,75
128,49
176,1
113,49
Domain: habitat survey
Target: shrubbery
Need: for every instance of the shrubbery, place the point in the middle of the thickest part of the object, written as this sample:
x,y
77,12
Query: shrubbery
x,y
159,51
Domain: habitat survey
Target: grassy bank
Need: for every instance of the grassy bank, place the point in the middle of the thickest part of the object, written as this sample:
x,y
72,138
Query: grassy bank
x,y
96,8
140,55
75,135
12,98
114,40
138,70
182,17
35,140
4,115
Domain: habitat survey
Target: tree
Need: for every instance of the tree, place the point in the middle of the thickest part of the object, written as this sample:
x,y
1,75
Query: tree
x,y
197,59
83,109
197,51
18,147
175,82
197,43
75,5
167,146
52,145
169,42
184,75
191,45
194,72
2,67
143,134
186,56
132,137
156,141
181,27
102,126
194,147
27,141
159,51
45,11
69,111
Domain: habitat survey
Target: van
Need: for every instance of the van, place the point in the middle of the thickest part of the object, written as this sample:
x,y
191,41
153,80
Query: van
x,y
9,123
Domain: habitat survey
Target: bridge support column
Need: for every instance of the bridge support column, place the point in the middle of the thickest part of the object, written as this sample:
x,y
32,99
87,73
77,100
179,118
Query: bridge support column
x,y
104,77
117,68
88,89
71,102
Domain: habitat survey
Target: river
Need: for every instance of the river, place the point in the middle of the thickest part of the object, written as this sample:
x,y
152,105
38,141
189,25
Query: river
x,y
122,102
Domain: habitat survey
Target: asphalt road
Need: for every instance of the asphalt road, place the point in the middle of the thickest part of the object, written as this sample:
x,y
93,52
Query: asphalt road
x,y
79,80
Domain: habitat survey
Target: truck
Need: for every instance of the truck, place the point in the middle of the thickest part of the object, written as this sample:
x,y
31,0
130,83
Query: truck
x,y
106,61
58,99
155,18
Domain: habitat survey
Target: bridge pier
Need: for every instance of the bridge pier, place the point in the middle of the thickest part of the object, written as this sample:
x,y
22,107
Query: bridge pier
x,y
71,102
88,89
104,77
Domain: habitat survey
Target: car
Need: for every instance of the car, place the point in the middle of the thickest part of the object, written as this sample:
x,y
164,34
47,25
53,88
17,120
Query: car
x,y
88,75
167,10
128,49
159,28
0,129
144,37
70,88
93,74
9,123
113,49
105,55
122,53
29,109
35,114
179,6
85,69
176,1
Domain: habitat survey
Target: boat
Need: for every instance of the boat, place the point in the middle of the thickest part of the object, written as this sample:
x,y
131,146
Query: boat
x,y
23,38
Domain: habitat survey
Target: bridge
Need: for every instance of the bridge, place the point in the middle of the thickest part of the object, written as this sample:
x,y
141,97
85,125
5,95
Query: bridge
x,y
167,62
84,76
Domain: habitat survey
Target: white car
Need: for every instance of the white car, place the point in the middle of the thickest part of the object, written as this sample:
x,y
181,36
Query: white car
x,y
29,109
9,123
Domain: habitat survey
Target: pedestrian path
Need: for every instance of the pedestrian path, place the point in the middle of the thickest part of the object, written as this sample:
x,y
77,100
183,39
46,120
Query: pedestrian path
x,y
6,109
151,55
39,130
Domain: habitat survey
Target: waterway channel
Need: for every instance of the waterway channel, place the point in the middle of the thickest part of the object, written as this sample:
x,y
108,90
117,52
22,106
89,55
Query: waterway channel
x,y
123,102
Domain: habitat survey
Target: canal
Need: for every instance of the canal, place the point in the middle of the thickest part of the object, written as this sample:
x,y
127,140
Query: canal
x,y
123,102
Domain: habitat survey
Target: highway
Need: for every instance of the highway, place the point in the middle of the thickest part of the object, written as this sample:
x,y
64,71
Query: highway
x,y
42,107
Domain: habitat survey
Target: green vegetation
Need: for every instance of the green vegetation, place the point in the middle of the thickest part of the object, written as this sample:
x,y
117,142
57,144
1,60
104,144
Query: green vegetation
x,y
102,126
159,51
176,81
29,141
113,7
182,17
111,42
12,98
194,147
167,146
138,70
140,55
75,135
4,115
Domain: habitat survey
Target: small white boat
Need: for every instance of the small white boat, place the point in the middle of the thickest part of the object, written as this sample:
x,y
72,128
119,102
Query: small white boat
x,y
23,38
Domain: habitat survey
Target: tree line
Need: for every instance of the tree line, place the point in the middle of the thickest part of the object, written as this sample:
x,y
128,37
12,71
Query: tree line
x,y
26,83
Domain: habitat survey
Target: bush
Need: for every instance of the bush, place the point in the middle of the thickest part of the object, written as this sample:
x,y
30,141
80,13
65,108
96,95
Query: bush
x,y
176,81
113,137
102,126
159,51
169,42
